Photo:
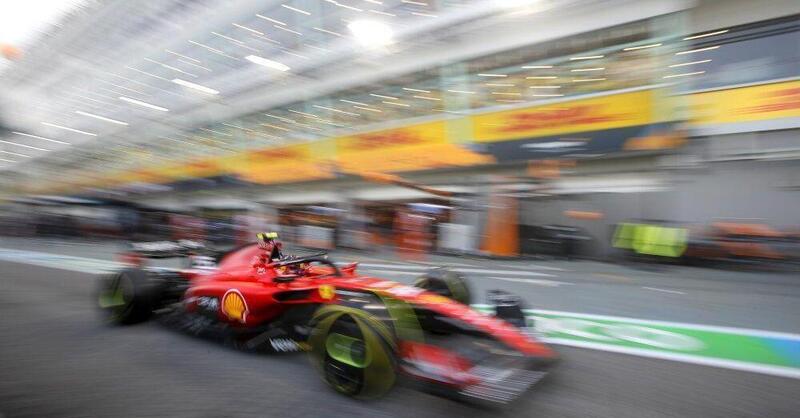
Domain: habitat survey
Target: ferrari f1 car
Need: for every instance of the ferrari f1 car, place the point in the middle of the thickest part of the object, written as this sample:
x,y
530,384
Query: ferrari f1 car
x,y
363,333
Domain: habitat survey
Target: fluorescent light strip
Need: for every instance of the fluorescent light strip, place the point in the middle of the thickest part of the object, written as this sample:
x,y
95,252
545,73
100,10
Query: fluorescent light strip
x,y
536,67
215,132
374,1
428,98
23,145
285,29
423,14
336,110
182,56
353,102
92,115
68,129
15,154
228,38
461,91
416,90
270,19
501,93
582,80
146,73
688,63
267,63
509,100
492,75
382,96
578,70
41,137
544,87
380,12
8,161
541,77
308,115
143,104
194,86
336,3
296,9
499,84
369,109
719,32
327,31
248,29
547,95
281,128
397,104
692,51
214,50
171,68
418,3
206,68
634,48
684,74
590,57
280,118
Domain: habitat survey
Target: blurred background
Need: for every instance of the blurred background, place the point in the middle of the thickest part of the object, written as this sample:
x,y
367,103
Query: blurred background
x,y
646,133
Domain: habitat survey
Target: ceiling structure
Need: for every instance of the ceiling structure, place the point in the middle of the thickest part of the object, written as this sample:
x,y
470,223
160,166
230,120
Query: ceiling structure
x,y
125,83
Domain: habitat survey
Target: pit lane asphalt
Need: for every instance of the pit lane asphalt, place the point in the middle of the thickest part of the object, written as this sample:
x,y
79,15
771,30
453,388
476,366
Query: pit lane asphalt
x,y
57,359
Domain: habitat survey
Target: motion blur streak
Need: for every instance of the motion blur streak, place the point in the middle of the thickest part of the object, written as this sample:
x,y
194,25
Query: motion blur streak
x,y
629,168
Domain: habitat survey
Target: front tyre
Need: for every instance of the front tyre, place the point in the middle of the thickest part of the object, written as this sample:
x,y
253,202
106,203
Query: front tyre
x,y
126,297
354,351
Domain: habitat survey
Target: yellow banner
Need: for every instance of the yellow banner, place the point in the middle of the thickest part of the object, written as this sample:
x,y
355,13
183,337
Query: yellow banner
x,y
411,158
746,104
594,114
407,136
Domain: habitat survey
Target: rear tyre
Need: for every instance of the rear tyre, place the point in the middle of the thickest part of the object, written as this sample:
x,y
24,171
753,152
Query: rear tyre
x,y
353,351
446,283
126,297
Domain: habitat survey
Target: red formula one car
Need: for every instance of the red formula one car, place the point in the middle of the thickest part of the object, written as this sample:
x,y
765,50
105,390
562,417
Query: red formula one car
x,y
363,333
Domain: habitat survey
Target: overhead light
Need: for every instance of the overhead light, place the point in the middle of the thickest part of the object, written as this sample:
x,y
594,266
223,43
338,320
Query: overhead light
x,y
41,137
23,145
194,86
270,19
353,102
502,93
577,70
428,98
547,95
536,67
541,77
283,28
499,84
688,63
416,90
423,14
382,96
8,161
330,32
381,12
589,57
461,91
692,51
492,75
371,33
544,87
182,56
294,9
684,74
143,104
92,115
368,109
15,153
634,48
719,32
255,59
68,129
581,80
397,104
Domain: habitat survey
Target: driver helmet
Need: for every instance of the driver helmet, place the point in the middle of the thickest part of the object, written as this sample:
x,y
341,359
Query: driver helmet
x,y
266,240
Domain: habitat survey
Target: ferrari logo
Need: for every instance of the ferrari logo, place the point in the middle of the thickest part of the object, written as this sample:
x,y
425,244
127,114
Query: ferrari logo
x,y
327,292
234,305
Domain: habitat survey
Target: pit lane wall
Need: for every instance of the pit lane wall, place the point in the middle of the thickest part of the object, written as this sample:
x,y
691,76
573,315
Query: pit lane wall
x,y
644,119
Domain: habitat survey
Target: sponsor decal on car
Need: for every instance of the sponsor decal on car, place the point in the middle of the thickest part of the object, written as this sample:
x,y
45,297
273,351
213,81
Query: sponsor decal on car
x,y
234,306
327,292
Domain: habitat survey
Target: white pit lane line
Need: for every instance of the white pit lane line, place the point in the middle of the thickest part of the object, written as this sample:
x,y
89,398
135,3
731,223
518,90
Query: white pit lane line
x,y
656,289
539,282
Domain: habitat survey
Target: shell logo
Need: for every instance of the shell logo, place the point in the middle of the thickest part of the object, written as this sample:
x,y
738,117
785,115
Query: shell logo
x,y
234,305
326,292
